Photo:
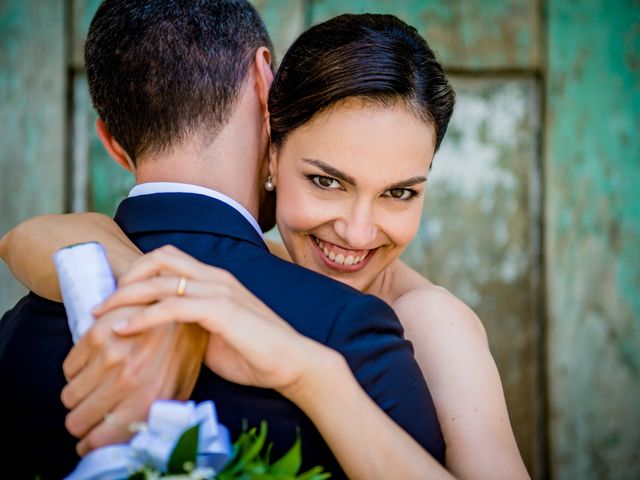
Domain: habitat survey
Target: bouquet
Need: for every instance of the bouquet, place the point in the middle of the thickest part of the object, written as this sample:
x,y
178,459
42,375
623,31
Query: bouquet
x,y
184,441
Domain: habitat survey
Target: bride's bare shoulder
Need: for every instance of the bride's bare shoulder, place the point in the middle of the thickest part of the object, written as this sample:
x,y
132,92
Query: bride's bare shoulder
x,y
423,306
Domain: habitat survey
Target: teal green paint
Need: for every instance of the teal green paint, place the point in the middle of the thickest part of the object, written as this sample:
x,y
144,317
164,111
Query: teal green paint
x,y
82,14
593,237
284,19
32,117
108,182
500,34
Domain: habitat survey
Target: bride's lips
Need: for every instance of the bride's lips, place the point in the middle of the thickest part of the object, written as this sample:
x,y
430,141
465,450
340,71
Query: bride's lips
x,y
338,258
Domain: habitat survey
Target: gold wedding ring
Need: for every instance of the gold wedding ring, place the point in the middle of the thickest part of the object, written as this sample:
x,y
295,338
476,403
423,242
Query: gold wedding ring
x,y
182,286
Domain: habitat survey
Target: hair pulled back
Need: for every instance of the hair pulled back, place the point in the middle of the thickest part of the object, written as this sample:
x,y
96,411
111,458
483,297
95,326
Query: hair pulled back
x,y
377,58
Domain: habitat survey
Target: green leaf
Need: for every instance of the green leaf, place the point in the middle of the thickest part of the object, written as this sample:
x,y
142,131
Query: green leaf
x,y
316,473
184,453
249,462
250,447
290,462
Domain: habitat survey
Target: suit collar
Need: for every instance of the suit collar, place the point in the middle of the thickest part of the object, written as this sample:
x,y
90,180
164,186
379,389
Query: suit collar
x,y
175,187
185,212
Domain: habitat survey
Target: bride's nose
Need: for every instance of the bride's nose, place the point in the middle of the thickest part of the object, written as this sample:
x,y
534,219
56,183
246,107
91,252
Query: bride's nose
x,y
357,228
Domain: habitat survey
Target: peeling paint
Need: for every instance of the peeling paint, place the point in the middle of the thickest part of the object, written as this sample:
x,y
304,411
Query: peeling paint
x,y
465,34
593,238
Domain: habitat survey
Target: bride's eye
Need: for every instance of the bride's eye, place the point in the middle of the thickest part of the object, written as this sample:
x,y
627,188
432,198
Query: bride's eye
x,y
400,193
325,182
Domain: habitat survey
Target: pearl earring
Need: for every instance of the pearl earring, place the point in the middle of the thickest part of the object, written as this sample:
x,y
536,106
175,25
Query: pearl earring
x,y
268,185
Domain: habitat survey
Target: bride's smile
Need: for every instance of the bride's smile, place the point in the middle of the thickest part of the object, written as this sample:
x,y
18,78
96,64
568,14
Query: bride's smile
x,y
350,186
342,258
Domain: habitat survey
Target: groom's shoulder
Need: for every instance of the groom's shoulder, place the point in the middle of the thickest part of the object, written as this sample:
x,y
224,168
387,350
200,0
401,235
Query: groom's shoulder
x,y
316,296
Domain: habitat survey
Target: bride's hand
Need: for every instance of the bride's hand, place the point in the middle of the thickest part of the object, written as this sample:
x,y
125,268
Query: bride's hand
x,y
248,343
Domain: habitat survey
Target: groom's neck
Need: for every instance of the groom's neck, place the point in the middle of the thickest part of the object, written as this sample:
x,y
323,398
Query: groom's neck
x,y
218,172
232,163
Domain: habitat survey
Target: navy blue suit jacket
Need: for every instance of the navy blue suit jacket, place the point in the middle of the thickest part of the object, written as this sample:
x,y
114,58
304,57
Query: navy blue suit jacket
x,y
34,339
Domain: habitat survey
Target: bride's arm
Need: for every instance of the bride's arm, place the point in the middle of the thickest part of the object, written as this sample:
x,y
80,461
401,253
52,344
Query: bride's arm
x,y
258,348
453,353
28,248
366,442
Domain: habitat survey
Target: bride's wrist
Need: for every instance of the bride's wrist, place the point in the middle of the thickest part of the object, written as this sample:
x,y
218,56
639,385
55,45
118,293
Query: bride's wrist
x,y
320,365
121,259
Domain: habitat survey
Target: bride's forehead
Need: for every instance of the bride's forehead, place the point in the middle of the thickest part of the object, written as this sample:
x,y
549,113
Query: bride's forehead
x,y
364,108
383,138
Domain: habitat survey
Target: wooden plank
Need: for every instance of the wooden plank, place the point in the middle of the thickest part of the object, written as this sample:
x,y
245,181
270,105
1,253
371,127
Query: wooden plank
x,y
32,117
593,238
81,15
503,34
475,235
80,145
109,182
285,20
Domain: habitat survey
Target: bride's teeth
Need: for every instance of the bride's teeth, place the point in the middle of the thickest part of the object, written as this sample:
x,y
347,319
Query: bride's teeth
x,y
340,258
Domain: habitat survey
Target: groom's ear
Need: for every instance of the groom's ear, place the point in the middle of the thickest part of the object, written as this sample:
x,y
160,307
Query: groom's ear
x,y
264,77
113,148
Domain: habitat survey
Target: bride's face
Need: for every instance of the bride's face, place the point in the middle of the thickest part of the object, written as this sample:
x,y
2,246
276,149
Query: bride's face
x,y
350,187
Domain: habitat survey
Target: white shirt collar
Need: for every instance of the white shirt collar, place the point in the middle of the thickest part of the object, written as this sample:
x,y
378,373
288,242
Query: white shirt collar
x,y
172,187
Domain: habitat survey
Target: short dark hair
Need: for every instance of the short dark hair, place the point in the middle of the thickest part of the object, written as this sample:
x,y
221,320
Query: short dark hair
x,y
377,58
162,70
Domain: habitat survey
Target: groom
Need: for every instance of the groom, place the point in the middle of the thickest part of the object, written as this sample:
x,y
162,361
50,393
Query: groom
x,y
181,91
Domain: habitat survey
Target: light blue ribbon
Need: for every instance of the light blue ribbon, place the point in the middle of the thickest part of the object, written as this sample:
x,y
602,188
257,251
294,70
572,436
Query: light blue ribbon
x,y
153,445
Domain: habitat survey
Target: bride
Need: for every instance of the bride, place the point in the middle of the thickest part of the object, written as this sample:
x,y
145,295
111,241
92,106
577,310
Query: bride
x,y
352,141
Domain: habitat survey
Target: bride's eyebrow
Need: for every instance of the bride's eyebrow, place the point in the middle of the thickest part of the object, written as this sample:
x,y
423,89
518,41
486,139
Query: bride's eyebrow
x,y
409,182
334,172
331,171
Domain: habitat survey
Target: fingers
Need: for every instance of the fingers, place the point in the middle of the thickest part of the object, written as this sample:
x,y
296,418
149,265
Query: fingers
x,y
167,258
91,410
151,268
76,359
81,385
140,293
172,309
152,290
118,426
95,340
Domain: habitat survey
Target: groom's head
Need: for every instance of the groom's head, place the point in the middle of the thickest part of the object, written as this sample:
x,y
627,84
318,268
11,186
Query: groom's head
x,y
162,72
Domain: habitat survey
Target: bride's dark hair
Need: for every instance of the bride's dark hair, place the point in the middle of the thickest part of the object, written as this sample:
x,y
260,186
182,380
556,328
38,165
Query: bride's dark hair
x,y
377,58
